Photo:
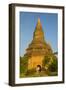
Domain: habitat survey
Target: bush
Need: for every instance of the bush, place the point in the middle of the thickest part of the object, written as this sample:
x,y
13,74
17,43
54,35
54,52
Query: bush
x,y
45,61
54,65
23,64
30,72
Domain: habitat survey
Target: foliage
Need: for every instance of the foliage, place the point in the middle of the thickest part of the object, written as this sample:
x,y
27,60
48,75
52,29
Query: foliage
x,y
30,72
23,64
49,61
54,65
45,61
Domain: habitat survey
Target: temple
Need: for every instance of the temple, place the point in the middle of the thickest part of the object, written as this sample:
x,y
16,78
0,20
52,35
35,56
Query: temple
x,y
38,48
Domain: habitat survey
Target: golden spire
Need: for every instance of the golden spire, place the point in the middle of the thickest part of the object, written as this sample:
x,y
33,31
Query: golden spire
x,y
39,21
38,33
38,43
38,26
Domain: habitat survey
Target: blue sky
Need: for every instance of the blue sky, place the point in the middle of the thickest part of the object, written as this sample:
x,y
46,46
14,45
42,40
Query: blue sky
x,y
28,21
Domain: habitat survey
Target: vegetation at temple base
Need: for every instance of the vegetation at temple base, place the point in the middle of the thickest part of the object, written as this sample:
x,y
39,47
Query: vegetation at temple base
x,y
23,64
49,67
54,65
53,68
50,64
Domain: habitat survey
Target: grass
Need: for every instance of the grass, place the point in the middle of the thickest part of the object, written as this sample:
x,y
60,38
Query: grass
x,y
38,74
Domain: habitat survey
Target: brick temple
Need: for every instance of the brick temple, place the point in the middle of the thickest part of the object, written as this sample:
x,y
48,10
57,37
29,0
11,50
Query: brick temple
x,y
38,48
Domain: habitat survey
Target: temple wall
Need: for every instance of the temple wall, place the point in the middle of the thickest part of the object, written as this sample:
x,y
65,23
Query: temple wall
x,y
34,61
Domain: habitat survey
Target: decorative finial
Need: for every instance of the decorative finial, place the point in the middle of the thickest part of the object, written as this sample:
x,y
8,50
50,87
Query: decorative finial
x,y
38,20
38,26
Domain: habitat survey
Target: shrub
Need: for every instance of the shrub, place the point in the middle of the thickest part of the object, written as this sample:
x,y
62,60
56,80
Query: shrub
x,y
54,65
45,61
23,64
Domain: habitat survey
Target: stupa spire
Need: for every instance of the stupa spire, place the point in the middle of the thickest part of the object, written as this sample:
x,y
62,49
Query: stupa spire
x,y
39,20
38,26
38,33
38,45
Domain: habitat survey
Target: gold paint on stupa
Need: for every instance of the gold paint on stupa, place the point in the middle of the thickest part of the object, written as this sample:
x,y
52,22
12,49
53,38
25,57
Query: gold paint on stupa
x,y
38,48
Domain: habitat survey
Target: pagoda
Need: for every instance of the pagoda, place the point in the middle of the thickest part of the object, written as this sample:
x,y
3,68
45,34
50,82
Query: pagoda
x,y
38,48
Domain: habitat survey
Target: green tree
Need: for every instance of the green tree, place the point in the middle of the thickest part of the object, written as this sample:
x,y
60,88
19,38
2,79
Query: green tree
x,y
53,67
23,64
46,61
50,61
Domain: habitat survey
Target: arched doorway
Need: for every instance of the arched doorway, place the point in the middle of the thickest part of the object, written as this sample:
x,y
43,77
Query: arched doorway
x,y
38,68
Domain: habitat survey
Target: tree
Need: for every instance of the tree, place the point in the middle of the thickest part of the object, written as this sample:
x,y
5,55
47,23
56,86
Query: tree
x,y
50,63
23,64
54,65
46,61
